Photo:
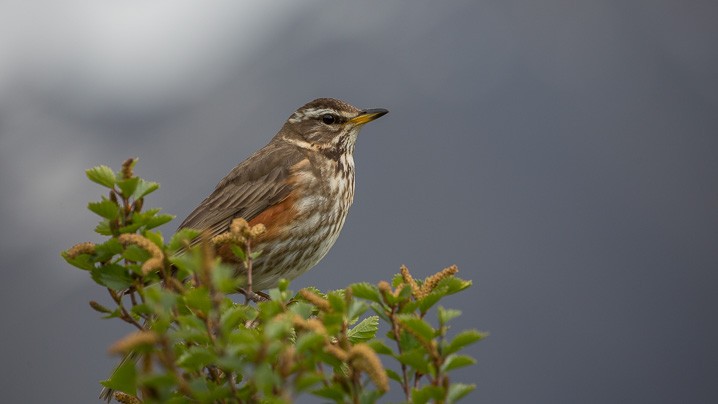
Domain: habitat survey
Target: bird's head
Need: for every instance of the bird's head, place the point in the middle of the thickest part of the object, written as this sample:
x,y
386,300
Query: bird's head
x,y
330,124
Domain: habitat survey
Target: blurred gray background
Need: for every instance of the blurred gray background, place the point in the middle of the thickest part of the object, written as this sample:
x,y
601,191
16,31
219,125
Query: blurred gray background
x,y
563,154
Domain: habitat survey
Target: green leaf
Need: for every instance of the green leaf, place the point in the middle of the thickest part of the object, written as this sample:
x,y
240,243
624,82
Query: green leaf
x,y
365,290
394,376
155,237
141,309
106,208
463,339
415,358
102,175
404,294
108,249
128,186
309,342
380,311
158,220
453,284
198,299
418,326
112,276
307,380
431,299
459,390
135,253
454,361
364,331
426,393
304,309
369,396
232,317
183,235
356,309
446,315
124,378
238,252
336,300
103,228
380,347
82,261
265,378
144,188
196,357
333,392
131,228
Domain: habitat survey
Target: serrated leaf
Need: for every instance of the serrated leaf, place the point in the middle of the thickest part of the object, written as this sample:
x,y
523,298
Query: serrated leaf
x,y
124,378
404,294
418,326
357,308
108,249
82,261
131,228
431,299
144,188
304,309
453,284
463,339
459,390
365,290
364,331
336,300
158,220
103,228
128,186
106,209
454,361
183,235
446,315
112,276
102,175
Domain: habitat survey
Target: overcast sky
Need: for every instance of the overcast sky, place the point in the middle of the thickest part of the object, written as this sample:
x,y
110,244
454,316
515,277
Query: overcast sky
x,y
562,154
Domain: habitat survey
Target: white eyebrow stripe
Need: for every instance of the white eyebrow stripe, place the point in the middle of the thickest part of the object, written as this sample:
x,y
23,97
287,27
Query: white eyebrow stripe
x,y
316,113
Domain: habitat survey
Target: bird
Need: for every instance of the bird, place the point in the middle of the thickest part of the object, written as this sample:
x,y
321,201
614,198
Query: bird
x,y
299,186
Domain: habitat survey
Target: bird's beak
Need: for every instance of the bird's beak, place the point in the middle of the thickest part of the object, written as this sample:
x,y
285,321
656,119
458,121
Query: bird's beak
x,y
368,115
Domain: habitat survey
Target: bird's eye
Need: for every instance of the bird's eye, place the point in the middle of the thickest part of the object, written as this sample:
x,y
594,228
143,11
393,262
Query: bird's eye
x,y
329,119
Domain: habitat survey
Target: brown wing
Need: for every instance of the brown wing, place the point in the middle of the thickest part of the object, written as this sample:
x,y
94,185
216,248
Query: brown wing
x,y
255,185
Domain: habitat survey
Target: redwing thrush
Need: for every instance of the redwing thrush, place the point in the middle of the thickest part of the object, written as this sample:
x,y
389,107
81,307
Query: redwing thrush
x,y
300,186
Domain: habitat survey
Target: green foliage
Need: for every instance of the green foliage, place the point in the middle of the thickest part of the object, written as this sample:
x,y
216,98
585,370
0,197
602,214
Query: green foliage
x,y
193,343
